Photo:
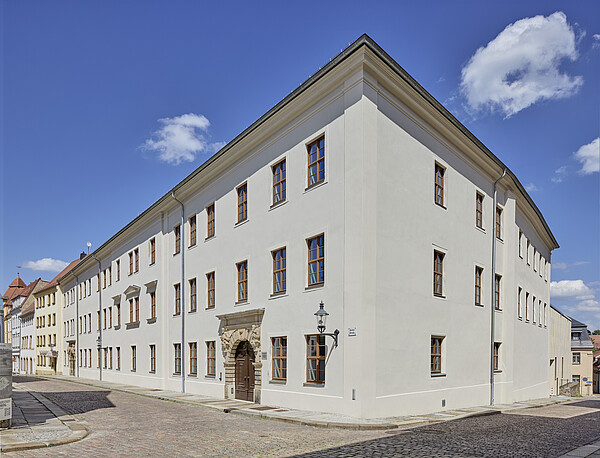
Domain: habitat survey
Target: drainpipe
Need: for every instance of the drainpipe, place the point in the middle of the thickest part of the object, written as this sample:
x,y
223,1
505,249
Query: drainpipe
x,y
99,316
182,233
77,361
493,307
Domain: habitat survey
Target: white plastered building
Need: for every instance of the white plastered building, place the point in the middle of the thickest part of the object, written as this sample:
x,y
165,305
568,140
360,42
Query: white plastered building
x,y
388,218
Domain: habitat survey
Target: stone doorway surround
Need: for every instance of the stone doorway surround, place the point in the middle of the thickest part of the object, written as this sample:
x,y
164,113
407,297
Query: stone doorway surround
x,y
235,328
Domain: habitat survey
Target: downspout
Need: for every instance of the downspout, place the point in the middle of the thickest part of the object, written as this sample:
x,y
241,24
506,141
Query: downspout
x,y
493,305
99,316
182,236
77,330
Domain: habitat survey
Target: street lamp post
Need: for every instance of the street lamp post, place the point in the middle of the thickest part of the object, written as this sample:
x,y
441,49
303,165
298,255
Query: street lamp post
x,y
322,315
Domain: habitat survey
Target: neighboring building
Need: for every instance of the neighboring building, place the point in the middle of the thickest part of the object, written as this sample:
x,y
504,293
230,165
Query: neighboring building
x,y
582,351
28,350
596,342
48,325
11,298
360,190
559,350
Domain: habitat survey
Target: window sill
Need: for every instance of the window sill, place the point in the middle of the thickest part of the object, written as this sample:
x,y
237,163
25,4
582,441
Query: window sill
x,y
176,253
209,238
117,327
315,286
314,384
211,377
479,305
176,314
520,318
135,324
438,375
240,223
151,320
278,382
152,372
498,239
497,310
480,229
192,311
314,186
132,370
242,302
176,374
193,375
209,308
278,204
497,371
439,296
278,295
440,205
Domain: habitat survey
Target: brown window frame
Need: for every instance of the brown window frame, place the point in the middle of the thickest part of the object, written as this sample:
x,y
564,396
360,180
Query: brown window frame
x,y
193,296
133,358
118,358
152,250
118,273
526,306
436,354
193,358
279,270
152,304
177,287
519,302
193,230
242,281
153,358
316,257
210,290
499,223
242,202
497,355
177,232
318,162
319,355
279,355
210,221
136,256
130,262
177,351
279,182
211,358
479,210
439,182
497,291
438,273
478,281
520,243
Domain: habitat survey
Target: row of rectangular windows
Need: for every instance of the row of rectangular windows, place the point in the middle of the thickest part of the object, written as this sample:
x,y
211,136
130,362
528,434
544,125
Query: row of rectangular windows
x,y
539,263
537,315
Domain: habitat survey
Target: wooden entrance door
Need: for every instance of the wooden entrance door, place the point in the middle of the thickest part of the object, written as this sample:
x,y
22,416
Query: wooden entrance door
x,y
244,372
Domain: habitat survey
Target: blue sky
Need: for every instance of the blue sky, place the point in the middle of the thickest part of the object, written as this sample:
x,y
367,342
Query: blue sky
x,y
105,103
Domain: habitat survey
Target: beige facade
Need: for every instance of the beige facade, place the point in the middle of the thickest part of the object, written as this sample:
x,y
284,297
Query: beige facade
x,y
48,332
582,357
559,350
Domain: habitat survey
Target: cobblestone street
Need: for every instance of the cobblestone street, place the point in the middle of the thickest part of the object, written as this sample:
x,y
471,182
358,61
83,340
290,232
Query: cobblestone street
x,y
123,424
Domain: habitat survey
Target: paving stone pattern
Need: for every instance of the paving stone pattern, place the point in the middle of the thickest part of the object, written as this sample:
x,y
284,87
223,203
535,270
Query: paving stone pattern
x,y
124,424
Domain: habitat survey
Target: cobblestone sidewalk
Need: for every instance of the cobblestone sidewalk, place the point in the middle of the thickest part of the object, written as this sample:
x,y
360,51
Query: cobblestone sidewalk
x,y
591,450
311,418
38,423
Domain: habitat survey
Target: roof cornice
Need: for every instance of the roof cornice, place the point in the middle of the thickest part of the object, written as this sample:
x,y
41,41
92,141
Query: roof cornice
x,y
165,203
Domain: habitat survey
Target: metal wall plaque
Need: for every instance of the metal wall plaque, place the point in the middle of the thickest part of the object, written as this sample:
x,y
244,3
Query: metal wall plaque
x,y
351,332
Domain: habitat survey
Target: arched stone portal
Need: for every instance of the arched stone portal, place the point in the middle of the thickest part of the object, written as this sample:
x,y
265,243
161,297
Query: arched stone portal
x,y
236,328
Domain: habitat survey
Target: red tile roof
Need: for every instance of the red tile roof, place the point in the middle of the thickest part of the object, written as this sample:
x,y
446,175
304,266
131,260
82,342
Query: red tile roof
x,y
61,274
15,289
28,305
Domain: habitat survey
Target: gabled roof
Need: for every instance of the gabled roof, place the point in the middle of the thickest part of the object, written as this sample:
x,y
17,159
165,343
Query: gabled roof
x,y
15,289
28,305
61,274
363,42
577,324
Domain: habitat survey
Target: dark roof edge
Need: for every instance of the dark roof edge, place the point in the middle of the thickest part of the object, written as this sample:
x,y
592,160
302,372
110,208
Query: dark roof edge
x,y
450,117
556,310
363,40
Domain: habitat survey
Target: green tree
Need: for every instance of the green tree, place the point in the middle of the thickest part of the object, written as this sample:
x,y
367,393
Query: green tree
x,y
596,332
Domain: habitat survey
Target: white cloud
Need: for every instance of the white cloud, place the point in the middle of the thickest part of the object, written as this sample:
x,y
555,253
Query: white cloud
x,y
566,266
530,187
46,265
589,156
521,66
559,174
182,138
596,43
589,305
569,288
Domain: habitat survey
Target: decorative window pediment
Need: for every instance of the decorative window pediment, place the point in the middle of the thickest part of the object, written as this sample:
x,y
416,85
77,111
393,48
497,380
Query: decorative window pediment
x,y
132,290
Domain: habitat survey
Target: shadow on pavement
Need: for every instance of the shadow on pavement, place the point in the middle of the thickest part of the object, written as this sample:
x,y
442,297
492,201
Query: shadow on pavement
x,y
589,403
